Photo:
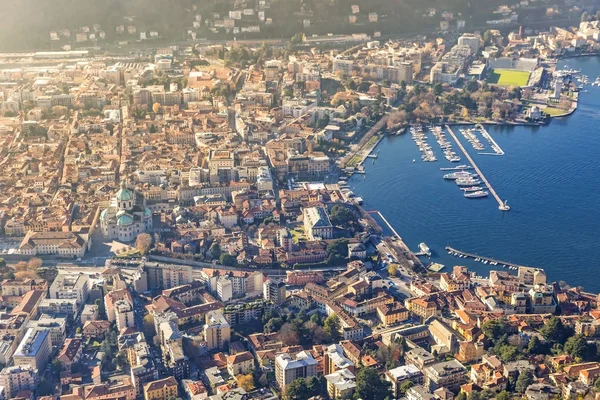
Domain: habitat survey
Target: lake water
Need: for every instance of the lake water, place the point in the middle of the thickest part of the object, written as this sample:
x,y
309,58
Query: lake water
x,y
550,176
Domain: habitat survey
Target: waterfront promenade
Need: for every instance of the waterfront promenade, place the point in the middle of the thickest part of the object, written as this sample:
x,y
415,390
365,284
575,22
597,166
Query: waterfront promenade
x,y
501,205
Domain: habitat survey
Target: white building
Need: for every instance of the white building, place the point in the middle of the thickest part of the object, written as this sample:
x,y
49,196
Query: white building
x,y
288,369
70,286
34,350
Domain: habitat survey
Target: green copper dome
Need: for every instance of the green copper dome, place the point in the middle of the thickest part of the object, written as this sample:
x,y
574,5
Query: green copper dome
x,y
124,194
125,219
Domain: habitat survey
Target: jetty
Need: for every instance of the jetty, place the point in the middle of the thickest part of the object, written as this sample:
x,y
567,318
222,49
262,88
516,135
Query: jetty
x,y
493,261
502,206
497,149
387,223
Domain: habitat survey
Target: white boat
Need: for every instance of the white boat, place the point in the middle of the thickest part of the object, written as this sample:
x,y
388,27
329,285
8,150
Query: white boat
x,y
468,182
424,249
472,188
476,195
458,175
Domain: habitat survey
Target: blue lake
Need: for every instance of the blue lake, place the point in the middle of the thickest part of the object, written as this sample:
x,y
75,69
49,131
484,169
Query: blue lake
x,y
550,176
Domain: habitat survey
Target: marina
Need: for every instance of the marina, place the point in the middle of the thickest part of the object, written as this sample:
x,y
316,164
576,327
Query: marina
x,y
485,260
469,134
420,139
563,155
502,205
445,145
497,149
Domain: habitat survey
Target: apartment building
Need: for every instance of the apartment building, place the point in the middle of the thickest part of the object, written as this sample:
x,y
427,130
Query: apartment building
x,y
34,350
71,286
288,369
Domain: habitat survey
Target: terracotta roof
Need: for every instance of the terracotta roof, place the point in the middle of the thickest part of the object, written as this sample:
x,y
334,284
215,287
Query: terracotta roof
x,y
240,358
160,384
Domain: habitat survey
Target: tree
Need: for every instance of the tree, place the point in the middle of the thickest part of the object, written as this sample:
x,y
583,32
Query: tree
x,y
44,388
34,263
585,16
503,395
370,385
555,331
228,260
577,347
288,334
148,327
101,311
273,325
332,327
21,266
523,381
59,111
246,382
494,329
507,353
341,215
121,360
393,269
597,385
22,275
143,243
535,346
215,250
438,89
156,108
323,122
404,386
57,366
78,330
297,390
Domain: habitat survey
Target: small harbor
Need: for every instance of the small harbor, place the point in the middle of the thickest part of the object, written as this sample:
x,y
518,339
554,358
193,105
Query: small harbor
x,y
420,139
502,205
495,147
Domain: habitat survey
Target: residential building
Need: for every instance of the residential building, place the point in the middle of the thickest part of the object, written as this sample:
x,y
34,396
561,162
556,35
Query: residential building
x,y
58,306
17,378
162,389
341,384
274,291
399,375
240,363
450,375
70,286
34,350
57,325
288,369
217,331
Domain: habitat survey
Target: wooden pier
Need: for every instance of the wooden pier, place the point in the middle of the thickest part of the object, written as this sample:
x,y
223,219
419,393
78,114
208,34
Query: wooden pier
x,y
483,258
501,204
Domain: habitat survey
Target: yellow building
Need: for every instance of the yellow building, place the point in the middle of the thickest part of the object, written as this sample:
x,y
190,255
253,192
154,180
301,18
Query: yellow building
x,y
390,314
423,307
162,389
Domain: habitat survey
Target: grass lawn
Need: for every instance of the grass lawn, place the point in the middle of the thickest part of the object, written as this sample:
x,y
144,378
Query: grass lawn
x,y
552,111
508,77
354,161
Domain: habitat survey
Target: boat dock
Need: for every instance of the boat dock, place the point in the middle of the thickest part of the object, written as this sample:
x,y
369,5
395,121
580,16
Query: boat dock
x,y
502,206
497,149
492,261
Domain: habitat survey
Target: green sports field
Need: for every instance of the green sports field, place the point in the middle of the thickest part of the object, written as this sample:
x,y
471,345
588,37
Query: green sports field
x,y
508,77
